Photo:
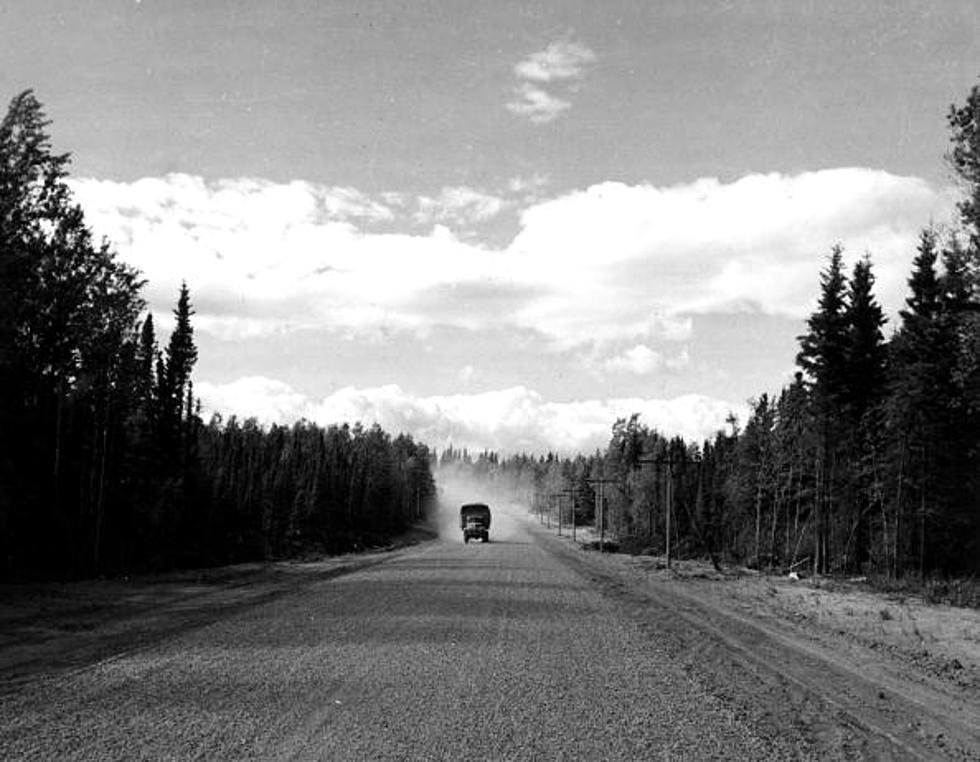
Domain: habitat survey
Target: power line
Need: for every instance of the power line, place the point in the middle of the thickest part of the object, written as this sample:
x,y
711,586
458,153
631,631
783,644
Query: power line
x,y
669,461
601,508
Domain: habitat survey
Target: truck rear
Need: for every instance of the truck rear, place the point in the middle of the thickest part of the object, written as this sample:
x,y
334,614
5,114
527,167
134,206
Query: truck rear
x,y
474,520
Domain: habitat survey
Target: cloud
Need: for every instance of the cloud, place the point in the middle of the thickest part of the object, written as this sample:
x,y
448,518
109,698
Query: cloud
x,y
561,60
536,104
263,258
529,189
533,183
680,361
510,420
459,205
612,265
632,261
640,360
559,66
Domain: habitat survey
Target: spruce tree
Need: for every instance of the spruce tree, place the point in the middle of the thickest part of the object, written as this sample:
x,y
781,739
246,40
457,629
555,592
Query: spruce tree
x,y
866,386
866,353
964,158
823,358
181,353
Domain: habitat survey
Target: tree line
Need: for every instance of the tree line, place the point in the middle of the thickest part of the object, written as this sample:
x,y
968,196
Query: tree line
x,y
105,463
868,461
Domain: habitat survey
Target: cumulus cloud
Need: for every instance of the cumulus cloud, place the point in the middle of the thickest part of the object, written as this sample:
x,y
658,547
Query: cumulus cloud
x,y
634,260
510,420
613,264
640,360
560,65
460,206
262,258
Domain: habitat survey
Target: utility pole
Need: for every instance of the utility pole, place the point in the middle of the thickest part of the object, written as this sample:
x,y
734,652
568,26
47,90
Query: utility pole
x,y
670,493
600,514
571,496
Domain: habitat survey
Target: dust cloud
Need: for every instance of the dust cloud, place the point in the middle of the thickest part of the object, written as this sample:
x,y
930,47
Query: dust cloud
x,y
456,487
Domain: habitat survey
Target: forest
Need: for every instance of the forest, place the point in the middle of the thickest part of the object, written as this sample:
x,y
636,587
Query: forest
x,y
868,462
105,463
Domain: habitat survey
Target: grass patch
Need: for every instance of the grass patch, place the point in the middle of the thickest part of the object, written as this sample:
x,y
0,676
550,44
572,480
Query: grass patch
x,y
962,592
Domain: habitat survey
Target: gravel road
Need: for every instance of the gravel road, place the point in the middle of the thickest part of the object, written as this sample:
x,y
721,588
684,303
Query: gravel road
x,y
521,648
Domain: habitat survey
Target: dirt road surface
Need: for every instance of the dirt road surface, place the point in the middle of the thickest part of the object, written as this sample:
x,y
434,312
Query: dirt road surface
x,y
521,648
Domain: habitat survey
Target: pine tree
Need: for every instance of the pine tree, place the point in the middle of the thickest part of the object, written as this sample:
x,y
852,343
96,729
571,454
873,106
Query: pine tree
x,y
823,358
823,349
32,193
920,397
181,354
865,350
866,387
964,158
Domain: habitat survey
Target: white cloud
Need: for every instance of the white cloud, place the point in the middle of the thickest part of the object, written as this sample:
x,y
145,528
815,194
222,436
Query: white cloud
x,y
459,205
560,65
561,60
536,104
631,261
507,420
640,360
265,399
261,257
680,361
613,264
529,189
532,184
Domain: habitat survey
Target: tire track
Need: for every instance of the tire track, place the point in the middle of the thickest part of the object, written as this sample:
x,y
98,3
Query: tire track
x,y
784,682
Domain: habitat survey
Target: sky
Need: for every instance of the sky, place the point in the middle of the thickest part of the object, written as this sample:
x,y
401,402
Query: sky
x,y
499,225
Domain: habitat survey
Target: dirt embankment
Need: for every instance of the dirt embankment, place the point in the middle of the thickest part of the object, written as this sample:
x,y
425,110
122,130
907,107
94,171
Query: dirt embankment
x,y
860,672
941,640
938,640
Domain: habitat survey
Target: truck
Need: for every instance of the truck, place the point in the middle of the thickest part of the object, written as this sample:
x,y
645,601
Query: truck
x,y
474,520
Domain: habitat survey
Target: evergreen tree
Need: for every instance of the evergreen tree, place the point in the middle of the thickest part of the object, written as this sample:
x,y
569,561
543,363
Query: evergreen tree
x,y
181,355
964,157
865,350
32,194
823,349
866,386
823,358
67,313
922,402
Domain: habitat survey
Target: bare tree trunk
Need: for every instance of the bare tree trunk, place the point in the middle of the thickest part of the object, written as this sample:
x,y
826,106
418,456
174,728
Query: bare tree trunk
x,y
817,498
777,500
922,520
898,509
100,495
56,471
789,489
796,516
